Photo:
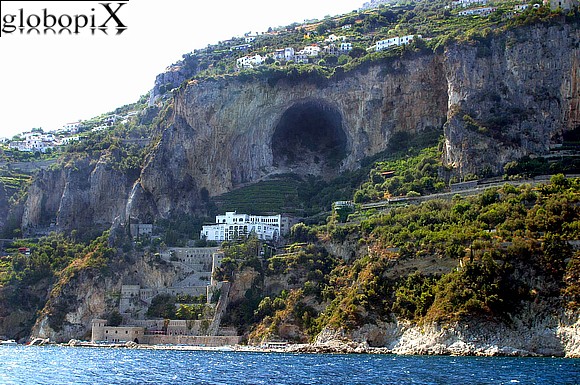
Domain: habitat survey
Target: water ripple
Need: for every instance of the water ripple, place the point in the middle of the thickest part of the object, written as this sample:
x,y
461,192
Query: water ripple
x,y
57,365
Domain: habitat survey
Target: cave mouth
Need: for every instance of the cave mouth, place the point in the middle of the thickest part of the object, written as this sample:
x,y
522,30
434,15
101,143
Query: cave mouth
x,y
309,139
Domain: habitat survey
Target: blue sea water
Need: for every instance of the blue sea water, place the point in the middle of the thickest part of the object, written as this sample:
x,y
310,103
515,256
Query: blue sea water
x,y
59,365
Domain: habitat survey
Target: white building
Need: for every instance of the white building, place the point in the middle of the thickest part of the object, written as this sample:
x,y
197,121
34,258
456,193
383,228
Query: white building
x,y
345,47
110,120
241,47
311,50
334,38
279,54
73,127
250,38
331,49
249,61
288,53
301,58
394,42
388,43
233,226
477,11
69,139
466,3
35,142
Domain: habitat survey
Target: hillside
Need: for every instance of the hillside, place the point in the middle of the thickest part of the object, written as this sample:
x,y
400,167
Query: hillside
x,y
504,261
474,96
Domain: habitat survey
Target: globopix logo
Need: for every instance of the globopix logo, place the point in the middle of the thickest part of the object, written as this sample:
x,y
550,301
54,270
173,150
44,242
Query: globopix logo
x,y
87,17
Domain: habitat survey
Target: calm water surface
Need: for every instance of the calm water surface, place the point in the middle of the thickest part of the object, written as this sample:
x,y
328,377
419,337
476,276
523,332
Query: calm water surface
x,y
56,365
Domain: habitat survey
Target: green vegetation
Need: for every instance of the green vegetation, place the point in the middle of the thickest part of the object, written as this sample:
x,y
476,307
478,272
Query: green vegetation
x,y
437,25
260,198
496,238
442,260
14,183
403,176
482,256
290,194
527,167
34,268
180,307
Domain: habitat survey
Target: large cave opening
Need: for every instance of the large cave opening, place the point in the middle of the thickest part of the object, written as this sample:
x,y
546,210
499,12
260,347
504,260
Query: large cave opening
x,y
309,139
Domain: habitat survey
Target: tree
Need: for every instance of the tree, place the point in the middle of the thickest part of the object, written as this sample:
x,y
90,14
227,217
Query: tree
x,y
357,52
162,305
114,318
559,180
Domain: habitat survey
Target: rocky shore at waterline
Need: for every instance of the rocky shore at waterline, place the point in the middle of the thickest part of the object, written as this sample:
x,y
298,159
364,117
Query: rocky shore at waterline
x,y
459,349
522,337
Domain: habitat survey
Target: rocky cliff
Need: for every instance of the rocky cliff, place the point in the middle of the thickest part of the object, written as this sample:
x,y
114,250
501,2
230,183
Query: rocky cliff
x,y
495,100
531,335
79,195
4,206
230,132
510,96
86,292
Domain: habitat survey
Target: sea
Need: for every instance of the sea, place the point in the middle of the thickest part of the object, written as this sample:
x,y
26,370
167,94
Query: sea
x,y
65,365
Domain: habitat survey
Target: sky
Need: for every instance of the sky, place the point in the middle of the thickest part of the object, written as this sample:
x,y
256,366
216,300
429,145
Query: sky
x,y
47,80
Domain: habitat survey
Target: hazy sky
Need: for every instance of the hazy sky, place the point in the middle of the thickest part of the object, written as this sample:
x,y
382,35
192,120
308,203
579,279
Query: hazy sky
x,y
46,81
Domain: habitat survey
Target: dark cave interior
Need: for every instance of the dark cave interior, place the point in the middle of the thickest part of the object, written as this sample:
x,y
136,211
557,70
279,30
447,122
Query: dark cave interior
x,y
309,136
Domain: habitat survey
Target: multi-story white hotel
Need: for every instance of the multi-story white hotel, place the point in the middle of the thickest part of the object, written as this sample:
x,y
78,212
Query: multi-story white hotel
x,y
233,226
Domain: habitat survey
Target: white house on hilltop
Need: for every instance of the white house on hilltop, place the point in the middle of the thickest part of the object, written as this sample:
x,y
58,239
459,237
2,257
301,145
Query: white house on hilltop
x,y
478,11
71,127
249,61
233,226
311,50
35,141
288,53
345,47
394,42
466,3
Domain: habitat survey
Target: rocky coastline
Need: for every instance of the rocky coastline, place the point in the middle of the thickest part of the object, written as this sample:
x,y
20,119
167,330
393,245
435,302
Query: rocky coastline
x,y
546,338
335,347
529,336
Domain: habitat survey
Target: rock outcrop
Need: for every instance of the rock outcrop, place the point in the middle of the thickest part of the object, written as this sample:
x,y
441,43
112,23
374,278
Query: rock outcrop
x,y
511,95
230,132
495,100
4,206
550,336
94,293
79,196
172,77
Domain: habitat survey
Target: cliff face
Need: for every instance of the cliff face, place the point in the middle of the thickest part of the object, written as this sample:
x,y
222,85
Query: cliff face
x,y
521,91
86,195
94,293
495,100
4,206
529,335
231,132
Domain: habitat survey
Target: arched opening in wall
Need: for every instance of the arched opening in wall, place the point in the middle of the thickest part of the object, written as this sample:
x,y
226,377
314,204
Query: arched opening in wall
x,y
309,139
